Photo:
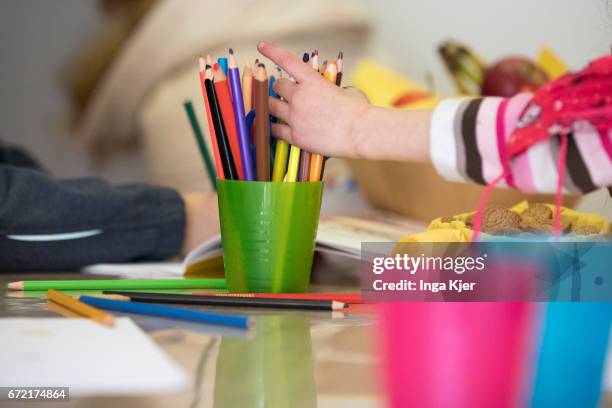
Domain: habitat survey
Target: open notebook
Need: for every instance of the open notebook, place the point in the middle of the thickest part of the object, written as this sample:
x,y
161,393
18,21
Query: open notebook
x,y
339,235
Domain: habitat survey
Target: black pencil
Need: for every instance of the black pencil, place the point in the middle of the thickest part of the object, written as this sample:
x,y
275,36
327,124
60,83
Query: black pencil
x,y
229,168
147,297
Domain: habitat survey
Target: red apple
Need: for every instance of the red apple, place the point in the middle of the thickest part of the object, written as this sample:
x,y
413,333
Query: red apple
x,y
511,76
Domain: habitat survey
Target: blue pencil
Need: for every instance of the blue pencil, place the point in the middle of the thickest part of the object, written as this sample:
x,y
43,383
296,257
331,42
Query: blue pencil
x,y
167,312
223,64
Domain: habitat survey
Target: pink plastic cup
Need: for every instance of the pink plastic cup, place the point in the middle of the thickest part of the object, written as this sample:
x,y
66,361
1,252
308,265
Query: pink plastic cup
x,y
460,355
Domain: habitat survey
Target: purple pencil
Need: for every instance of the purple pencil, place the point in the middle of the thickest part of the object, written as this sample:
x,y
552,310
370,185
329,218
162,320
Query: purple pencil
x,y
243,134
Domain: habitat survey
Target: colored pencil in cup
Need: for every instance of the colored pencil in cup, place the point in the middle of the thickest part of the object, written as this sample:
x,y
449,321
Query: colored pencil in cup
x,y
80,308
222,61
229,168
197,131
280,160
247,87
226,107
262,124
304,304
117,284
211,128
293,164
243,132
316,161
123,306
339,66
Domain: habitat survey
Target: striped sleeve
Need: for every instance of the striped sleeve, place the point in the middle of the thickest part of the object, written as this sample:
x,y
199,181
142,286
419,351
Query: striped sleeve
x,y
468,138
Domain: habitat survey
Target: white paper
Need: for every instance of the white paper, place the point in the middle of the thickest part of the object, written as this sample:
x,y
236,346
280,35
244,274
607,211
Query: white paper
x,y
87,357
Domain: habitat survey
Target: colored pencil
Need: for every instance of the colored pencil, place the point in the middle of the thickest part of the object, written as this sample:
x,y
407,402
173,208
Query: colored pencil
x,y
304,173
340,66
323,66
61,310
122,306
222,61
247,87
294,164
262,124
280,160
314,60
227,162
230,301
211,128
243,132
117,284
281,151
224,98
316,161
339,297
80,308
197,131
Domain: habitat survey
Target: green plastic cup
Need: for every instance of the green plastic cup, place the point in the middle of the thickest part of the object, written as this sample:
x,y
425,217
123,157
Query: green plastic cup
x,y
268,231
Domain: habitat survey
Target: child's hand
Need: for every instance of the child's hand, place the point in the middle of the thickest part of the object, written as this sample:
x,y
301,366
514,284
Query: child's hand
x,y
319,116
201,219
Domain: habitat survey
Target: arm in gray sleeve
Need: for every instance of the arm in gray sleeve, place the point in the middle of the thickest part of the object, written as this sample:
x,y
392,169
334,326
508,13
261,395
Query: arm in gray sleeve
x,y
63,225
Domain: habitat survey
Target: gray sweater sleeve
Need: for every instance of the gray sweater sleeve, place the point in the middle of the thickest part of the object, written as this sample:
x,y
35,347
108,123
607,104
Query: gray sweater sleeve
x,y
49,225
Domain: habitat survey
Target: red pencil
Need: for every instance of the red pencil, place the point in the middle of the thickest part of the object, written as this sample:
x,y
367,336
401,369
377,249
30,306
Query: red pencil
x,y
227,111
211,128
339,297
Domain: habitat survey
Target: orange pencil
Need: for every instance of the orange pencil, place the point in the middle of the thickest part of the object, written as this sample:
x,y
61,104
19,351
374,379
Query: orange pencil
x,y
247,87
316,161
211,128
227,112
80,308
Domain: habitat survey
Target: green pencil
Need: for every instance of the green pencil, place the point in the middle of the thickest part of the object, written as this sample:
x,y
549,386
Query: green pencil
x,y
197,131
110,284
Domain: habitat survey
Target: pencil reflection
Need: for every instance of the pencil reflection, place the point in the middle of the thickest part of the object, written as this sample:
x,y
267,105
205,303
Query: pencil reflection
x,y
276,369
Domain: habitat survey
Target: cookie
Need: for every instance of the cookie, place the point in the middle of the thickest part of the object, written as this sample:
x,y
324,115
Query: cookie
x,y
585,230
538,211
500,221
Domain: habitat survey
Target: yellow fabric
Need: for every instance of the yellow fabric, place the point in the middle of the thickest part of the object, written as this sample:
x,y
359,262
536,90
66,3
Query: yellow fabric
x,y
383,86
551,63
457,231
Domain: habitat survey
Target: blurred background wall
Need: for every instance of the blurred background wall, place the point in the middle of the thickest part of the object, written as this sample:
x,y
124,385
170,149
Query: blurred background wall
x,y
37,37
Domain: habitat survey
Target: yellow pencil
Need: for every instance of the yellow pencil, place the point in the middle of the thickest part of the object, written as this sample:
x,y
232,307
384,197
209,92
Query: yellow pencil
x,y
294,164
280,160
80,307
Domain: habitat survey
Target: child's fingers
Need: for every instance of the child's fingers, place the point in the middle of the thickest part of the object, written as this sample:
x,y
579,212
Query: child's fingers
x,y
285,88
287,61
279,109
281,131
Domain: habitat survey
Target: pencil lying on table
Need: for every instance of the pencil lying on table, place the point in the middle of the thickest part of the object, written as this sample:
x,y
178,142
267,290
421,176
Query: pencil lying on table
x,y
168,312
117,284
80,308
229,301
340,297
